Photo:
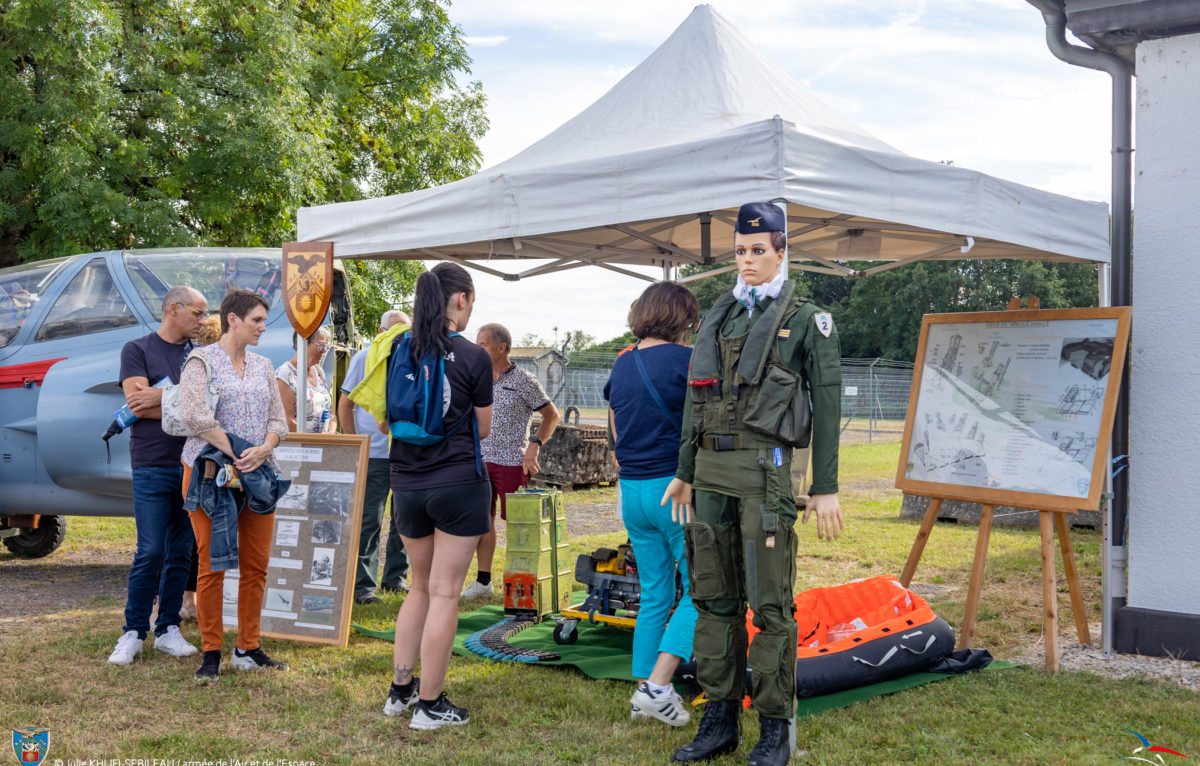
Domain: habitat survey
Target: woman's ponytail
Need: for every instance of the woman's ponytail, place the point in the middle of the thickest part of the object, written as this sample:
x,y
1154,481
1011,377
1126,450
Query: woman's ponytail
x,y
434,290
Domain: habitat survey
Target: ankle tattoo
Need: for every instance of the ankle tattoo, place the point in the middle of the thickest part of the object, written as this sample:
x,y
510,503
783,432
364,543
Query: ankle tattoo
x,y
403,675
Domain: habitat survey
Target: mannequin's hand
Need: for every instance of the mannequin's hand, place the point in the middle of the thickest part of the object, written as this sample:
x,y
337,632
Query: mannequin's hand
x,y
829,515
679,493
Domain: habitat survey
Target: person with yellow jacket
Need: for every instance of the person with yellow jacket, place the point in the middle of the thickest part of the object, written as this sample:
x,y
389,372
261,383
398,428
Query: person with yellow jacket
x,y
764,377
357,420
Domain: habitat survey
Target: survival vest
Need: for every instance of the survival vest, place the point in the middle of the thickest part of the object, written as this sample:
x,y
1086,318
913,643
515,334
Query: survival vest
x,y
743,393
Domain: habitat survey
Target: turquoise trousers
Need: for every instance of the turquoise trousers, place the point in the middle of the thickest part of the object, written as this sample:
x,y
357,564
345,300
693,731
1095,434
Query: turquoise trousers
x,y
658,549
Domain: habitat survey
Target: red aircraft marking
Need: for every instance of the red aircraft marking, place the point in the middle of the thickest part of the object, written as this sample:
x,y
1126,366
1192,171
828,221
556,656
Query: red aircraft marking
x,y
23,375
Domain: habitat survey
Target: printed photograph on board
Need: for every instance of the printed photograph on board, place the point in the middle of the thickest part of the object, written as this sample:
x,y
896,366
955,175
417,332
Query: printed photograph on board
x,y
322,566
287,533
296,498
316,609
330,498
1091,355
327,532
279,600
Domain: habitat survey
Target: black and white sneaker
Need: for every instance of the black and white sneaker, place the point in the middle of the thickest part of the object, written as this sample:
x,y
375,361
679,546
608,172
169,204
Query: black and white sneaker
x,y
255,659
210,667
401,698
667,707
436,714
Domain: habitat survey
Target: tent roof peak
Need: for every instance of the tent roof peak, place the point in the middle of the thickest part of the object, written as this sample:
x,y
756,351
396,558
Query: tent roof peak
x,y
706,78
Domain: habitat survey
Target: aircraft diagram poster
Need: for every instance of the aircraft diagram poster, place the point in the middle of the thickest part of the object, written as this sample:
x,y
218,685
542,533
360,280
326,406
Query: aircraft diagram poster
x,y
1017,404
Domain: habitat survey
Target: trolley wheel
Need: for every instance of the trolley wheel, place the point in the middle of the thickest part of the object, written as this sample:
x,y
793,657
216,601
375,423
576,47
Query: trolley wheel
x,y
565,633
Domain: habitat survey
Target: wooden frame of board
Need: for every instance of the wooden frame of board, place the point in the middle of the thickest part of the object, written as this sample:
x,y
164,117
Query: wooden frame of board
x,y
1029,331
314,541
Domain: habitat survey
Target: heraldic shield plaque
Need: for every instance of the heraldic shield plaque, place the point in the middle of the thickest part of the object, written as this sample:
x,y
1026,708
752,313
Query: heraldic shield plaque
x,y
307,284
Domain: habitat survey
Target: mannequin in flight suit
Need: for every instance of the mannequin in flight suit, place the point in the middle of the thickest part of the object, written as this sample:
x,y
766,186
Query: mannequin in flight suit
x,y
765,377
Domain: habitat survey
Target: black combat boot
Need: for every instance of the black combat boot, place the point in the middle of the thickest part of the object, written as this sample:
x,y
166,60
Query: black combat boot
x,y
717,735
772,748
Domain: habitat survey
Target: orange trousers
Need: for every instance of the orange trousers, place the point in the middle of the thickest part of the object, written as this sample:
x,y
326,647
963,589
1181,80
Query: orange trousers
x,y
254,552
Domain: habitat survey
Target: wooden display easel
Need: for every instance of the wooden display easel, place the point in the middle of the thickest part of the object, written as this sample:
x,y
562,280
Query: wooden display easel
x,y
1051,508
1048,520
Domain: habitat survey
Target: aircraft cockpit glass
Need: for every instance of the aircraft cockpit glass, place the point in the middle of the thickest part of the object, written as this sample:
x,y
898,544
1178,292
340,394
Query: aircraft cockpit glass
x,y
20,289
90,303
153,273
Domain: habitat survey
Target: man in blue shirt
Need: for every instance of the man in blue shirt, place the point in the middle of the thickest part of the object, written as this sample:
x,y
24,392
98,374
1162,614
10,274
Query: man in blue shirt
x,y
164,533
356,420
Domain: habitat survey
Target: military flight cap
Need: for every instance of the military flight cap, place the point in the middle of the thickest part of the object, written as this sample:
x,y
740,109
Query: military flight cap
x,y
755,217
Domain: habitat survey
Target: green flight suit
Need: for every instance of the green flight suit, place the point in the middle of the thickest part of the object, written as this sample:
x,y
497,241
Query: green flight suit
x,y
742,499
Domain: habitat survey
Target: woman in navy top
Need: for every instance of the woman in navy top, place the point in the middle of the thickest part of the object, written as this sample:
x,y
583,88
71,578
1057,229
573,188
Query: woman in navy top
x,y
645,392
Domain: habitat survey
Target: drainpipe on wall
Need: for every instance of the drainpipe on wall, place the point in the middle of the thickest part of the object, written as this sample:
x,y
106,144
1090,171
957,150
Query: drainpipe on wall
x,y
1113,550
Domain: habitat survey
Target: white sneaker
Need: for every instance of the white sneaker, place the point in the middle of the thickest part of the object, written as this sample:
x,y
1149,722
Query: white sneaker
x,y
173,643
637,714
476,590
667,707
129,646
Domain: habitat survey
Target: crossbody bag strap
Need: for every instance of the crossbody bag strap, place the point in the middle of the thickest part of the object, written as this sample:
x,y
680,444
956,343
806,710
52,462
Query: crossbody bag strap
x,y
662,407
211,391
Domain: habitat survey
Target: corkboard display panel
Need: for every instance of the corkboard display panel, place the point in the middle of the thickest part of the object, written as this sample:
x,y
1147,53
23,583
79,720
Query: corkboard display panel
x,y
314,545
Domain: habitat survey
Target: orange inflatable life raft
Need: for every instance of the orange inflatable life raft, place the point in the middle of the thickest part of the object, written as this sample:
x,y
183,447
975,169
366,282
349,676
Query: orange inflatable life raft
x,y
862,633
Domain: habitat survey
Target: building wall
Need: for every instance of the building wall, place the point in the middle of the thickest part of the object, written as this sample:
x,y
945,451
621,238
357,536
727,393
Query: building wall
x,y
1164,503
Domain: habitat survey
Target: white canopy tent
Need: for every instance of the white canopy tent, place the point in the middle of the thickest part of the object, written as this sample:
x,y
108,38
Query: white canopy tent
x,y
654,171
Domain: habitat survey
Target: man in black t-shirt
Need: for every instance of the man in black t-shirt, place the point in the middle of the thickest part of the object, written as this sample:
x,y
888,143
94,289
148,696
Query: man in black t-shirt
x,y
164,533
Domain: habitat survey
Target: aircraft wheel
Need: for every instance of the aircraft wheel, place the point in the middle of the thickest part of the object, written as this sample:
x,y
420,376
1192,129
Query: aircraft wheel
x,y
39,542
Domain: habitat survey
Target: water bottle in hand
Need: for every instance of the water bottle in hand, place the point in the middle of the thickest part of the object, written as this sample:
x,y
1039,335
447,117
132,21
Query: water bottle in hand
x,y
125,417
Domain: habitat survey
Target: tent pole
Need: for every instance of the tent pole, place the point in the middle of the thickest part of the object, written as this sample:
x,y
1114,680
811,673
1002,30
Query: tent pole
x,y
706,238
783,267
301,382
1054,14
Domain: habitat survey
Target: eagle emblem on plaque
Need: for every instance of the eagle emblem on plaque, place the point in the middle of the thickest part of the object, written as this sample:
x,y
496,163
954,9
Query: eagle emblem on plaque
x,y
307,284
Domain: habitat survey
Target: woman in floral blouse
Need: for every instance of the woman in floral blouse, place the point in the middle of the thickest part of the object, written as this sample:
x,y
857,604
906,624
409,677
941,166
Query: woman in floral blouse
x,y
319,402
249,406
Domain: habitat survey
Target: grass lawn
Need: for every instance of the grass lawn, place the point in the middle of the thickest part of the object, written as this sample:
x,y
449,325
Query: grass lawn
x,y
327,708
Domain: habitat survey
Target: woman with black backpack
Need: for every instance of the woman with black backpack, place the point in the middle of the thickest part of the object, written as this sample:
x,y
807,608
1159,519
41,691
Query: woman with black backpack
x,y
440,494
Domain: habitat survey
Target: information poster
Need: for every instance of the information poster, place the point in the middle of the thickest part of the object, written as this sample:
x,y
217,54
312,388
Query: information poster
x,y
1014,405
314,549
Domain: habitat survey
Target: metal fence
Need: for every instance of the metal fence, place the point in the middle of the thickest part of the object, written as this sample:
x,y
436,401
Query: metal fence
x,y
874,392
875,397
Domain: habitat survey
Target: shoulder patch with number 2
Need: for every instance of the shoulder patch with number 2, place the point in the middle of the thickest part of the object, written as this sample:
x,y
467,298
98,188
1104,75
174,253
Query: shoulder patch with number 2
x,y
824,322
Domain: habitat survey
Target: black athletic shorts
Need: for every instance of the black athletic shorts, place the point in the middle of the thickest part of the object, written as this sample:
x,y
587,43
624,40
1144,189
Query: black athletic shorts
x,y
462,510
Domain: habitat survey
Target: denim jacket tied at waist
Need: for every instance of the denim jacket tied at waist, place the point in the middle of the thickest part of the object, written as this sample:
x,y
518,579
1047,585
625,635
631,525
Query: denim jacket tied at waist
x,y
261,489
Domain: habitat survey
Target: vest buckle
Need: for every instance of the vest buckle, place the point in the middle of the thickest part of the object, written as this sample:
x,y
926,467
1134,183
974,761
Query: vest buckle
x,y
722,442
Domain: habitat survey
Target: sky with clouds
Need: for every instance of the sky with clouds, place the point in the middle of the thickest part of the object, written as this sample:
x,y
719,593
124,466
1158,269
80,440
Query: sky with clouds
x,y
968,81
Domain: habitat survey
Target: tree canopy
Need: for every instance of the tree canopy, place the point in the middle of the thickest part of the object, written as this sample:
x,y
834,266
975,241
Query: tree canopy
x,y
209,122
377,286
880,315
